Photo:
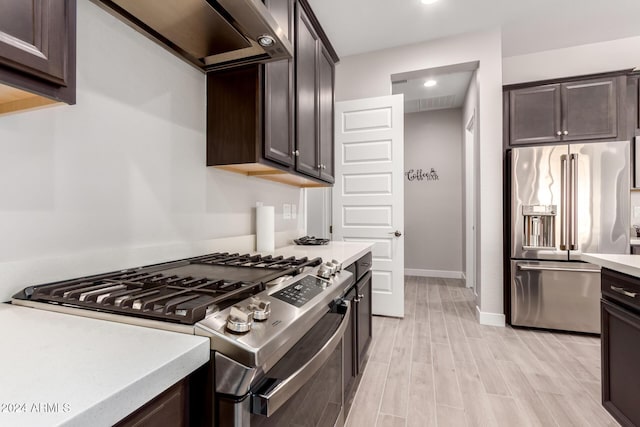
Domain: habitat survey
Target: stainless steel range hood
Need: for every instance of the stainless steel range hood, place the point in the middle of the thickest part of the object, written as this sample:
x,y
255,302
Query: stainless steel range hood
x,y
211,34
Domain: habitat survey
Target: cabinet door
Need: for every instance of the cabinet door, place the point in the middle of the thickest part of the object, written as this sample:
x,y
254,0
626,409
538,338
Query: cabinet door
x,y
620,368
535,115
365,329
589,109
168,409
34,38
350,345
306,102
325,114
278,94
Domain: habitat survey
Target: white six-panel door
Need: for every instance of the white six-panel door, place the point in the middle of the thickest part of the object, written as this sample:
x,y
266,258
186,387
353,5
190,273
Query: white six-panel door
x,y
368,195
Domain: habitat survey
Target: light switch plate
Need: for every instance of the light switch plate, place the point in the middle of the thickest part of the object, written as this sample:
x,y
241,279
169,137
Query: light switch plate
x,y
294,211
636,211
286,211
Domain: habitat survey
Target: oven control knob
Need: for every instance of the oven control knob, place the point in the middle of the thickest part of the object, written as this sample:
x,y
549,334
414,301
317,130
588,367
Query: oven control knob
x,y
324,271
332,267
239,320
261,309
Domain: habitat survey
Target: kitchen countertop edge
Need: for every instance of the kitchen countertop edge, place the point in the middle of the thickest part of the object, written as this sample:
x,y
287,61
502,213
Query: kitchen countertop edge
x,y
623,263
345,252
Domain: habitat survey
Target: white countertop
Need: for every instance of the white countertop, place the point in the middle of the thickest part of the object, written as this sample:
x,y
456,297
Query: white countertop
x,y
624,263
344,252
635,241
84,372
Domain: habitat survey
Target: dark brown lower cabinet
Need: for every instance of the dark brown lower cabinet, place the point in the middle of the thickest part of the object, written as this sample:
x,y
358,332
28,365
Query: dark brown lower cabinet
x,y
621,363
170,408
357,338
363,311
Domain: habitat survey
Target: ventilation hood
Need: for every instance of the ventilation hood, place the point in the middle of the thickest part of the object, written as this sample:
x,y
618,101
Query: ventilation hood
x,y
210,34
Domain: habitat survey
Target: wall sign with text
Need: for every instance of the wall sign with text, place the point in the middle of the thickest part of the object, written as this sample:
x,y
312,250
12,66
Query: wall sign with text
x,y
420,175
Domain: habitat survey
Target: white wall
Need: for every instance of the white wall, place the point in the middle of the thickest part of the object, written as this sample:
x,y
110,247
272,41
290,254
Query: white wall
x,y
368,75
572,61
318,212
122,170
433,208
471,187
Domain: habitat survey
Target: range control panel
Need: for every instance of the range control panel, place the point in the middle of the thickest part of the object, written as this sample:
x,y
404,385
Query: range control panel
x,y
302,291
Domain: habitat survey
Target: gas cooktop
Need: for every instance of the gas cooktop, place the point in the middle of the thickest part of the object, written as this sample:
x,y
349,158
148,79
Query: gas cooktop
x,y
183,291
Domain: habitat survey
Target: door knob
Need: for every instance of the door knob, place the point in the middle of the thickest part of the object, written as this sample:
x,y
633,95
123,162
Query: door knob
x,y
396,233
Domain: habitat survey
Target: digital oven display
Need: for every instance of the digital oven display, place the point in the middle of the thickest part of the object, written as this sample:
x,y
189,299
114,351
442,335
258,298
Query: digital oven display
x,y
301,291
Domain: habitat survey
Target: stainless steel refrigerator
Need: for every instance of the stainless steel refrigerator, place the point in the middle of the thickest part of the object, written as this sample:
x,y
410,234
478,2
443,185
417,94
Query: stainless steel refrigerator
x,y
565,200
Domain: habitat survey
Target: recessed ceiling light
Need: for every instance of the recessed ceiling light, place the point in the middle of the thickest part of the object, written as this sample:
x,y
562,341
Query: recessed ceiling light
x,y
428,1
430,83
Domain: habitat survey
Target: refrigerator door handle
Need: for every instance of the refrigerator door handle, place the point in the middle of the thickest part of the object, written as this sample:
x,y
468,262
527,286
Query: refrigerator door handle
x,y
574,201
564,202
539,268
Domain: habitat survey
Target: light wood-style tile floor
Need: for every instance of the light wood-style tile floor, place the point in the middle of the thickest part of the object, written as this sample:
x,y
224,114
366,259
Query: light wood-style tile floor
x,y
439,367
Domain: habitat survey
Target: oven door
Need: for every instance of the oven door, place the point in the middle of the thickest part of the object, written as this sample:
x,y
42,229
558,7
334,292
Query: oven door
x,y
306,386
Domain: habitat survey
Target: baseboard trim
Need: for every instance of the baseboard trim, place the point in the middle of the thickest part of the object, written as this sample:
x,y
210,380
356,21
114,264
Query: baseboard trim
x,y
490,319
443,274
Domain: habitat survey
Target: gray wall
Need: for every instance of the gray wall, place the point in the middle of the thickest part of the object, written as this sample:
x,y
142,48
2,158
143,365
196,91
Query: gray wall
x,y
123,169
433,208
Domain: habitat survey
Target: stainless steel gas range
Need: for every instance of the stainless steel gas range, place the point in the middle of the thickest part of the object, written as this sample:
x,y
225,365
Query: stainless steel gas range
x,y
275,324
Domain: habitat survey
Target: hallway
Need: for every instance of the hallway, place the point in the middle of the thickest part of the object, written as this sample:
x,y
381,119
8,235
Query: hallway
x,y
439,367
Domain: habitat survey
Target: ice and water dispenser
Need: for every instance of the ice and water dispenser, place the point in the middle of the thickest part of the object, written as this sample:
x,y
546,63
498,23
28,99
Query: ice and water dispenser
x,y
539,226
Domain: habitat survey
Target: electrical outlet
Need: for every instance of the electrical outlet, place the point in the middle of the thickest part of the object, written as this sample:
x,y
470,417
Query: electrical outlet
x,y
286,211
636,211
294,211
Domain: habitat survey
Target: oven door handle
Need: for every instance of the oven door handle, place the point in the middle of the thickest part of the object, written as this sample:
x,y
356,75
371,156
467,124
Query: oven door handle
x,y
268,403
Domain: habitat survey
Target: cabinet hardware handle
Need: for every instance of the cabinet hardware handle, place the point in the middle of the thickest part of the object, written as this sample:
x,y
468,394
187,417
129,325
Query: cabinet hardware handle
x,y
624,292
559,133
296,153
356,300
360,296
566,132
319,167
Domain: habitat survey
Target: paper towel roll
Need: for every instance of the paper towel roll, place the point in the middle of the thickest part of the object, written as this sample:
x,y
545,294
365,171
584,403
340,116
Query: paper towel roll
x,y
265,229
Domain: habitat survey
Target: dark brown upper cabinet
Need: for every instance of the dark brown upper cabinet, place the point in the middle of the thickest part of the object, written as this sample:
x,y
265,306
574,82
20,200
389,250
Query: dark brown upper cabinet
x,y
278,94
37,53
326,84
574,110
314,101
633,103
275,120
535,115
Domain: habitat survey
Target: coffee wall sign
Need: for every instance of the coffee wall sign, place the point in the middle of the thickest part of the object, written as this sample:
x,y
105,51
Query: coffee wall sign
x,y
420,175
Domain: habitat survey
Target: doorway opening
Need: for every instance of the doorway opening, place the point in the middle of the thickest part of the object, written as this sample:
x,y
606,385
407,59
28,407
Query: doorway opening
x,y
441,173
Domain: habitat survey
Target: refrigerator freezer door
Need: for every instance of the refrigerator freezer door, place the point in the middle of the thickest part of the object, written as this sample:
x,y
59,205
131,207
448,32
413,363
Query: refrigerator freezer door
x,y
601,181
536,186
556,295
